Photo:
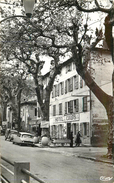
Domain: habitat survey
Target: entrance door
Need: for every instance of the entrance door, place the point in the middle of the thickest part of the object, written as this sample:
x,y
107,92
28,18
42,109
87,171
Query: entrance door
x,y
68,130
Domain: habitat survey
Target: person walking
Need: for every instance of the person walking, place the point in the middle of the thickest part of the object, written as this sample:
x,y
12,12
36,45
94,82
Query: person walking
x,y
78,139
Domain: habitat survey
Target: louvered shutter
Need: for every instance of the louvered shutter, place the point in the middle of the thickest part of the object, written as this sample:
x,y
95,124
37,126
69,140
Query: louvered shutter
x,y
88,129
81,128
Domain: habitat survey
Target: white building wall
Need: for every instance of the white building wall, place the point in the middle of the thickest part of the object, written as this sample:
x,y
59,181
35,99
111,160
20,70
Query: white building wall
x,y
83,121
73,119
103,77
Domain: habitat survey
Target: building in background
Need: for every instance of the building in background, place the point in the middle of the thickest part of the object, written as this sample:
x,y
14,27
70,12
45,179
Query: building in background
x,y
73,107
30,117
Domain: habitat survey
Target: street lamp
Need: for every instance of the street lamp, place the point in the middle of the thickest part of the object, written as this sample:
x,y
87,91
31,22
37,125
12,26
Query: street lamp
x,y
28,6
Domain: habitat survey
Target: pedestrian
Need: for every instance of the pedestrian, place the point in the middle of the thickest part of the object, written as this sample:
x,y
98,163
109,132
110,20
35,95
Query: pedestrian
x,y
78,139
71,138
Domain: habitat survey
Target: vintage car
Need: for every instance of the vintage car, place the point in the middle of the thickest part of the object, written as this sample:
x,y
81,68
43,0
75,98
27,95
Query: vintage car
x,y
9,135
24,138
12,134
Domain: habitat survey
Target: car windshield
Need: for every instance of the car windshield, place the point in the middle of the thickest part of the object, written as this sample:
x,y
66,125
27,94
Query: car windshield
x,y
27,136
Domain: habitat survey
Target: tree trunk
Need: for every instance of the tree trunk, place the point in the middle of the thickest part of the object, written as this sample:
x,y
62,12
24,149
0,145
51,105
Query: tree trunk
x,y
19,109
110,129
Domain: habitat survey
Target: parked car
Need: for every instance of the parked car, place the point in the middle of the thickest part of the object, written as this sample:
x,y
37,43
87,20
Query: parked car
x,y
12,134
24,138
9,135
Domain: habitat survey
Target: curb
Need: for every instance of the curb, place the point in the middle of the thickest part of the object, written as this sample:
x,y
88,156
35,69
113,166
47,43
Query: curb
x,y
95,159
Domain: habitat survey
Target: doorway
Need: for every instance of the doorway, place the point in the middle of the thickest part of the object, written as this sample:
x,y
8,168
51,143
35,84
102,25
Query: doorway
x,y
68,130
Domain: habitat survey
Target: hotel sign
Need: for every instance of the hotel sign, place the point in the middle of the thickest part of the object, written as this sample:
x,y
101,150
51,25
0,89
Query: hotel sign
x,y
68,117
72,117
58,119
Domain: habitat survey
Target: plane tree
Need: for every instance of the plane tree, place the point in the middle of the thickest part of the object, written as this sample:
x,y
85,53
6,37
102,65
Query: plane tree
x,y
54,31
108,9
13,87
28,41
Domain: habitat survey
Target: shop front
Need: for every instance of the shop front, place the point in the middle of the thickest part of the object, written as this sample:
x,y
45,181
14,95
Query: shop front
x,y
61,127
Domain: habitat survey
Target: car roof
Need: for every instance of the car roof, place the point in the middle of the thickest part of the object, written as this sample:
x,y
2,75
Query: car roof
x,y
25,133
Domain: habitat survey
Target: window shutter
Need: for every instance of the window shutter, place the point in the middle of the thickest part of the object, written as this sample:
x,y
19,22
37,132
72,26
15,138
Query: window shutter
x,y
81,128
65,107
53,91
58,90
66,86
88,129
71,106
71,84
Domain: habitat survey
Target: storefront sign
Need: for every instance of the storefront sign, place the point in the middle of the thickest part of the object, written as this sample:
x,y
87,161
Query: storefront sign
x,y
59,119
72,117
69,117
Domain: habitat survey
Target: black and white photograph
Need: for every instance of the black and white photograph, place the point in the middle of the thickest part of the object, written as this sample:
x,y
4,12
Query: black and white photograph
x,y
56,91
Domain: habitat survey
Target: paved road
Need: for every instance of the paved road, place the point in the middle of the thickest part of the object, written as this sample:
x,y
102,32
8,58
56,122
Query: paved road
x,y
55,167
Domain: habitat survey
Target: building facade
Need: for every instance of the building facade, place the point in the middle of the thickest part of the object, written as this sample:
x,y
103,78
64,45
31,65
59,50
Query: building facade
x,y
30,119
73,107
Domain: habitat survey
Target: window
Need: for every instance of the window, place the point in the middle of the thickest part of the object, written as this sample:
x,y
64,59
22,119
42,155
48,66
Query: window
x,y
60,109
54,110
76,82
70,85
81,82
85,128
70,106
84,104
35,112
76,105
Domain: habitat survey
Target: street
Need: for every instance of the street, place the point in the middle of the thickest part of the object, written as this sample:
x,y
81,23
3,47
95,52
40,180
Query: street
x,y
55,167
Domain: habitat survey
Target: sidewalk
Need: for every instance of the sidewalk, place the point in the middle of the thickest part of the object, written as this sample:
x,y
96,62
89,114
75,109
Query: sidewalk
x,y
86,152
